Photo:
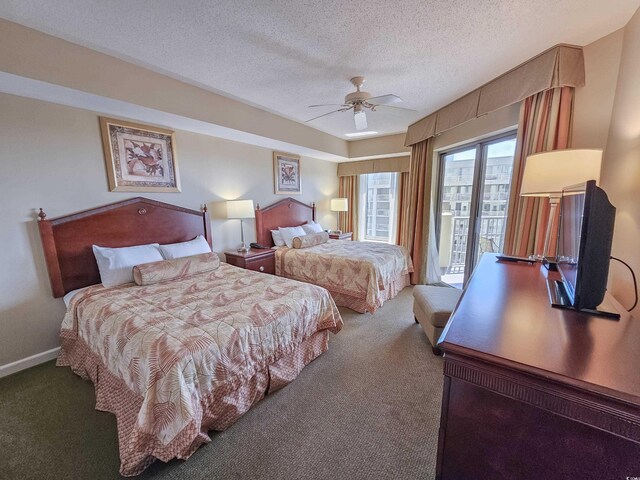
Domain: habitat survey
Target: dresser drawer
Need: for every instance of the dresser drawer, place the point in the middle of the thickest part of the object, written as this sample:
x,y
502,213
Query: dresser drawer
x,y
265,264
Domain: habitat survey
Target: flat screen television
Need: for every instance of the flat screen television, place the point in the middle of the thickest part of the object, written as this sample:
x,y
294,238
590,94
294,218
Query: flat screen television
x,y
584,244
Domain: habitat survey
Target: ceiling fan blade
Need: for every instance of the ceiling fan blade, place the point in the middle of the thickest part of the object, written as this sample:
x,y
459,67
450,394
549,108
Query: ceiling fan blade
x,y
330,105
361,120
397,108
385,99
324,115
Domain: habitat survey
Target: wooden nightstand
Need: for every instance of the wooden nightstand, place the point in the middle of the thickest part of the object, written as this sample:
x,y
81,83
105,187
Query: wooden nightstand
x,y
341,236
256,260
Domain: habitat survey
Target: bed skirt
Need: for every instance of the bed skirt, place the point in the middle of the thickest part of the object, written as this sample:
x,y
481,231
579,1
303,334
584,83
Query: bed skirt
x,y
219,409
360,304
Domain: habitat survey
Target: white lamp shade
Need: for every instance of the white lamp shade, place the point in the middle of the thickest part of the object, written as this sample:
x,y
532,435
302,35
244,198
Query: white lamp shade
x,y
240,209
339,205
548,173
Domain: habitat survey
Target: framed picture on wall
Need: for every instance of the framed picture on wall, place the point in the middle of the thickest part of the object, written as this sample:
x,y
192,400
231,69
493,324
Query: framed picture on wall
x,y
286,172
139,158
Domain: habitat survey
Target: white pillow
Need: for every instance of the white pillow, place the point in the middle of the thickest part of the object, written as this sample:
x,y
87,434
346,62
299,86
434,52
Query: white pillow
x,y
116,264
312,227
185,249
289,233
278,241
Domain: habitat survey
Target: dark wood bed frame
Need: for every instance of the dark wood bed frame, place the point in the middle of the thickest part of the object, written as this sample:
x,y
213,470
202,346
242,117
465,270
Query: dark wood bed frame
x,y
67,240
288,212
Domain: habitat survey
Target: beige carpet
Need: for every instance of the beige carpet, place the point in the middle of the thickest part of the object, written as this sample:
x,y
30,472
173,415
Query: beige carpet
x,y
369,408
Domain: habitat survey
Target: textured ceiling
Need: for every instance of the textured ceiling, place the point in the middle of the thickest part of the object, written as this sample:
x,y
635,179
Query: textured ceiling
x,y
283,55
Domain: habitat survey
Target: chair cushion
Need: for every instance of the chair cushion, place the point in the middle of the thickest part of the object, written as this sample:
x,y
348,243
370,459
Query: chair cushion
x,y
436,302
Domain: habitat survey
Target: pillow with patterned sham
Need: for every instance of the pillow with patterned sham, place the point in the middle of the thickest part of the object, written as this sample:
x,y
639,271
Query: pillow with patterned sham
x,y
175,269
311,240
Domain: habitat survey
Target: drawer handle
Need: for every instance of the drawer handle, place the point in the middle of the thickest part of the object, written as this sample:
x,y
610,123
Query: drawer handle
x,y
261,268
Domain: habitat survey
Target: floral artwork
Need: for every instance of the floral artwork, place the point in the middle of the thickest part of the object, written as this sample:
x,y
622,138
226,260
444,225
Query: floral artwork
x,y
286,169
139,158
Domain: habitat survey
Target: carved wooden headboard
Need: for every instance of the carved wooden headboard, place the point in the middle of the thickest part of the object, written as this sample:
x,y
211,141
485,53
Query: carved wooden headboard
x,y
67,240
285,213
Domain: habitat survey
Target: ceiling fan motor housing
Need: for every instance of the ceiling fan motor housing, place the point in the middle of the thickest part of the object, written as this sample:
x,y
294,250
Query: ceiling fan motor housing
x,y
357,97
359,101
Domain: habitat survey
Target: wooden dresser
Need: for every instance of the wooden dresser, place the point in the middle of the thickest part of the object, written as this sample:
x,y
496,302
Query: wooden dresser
x,y
533,392
258,260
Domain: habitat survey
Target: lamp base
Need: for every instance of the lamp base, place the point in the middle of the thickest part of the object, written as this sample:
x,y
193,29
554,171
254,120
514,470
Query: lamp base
x,y
243,249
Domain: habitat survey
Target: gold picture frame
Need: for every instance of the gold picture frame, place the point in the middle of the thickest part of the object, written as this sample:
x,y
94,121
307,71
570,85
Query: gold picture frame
x,y
286,174
139,158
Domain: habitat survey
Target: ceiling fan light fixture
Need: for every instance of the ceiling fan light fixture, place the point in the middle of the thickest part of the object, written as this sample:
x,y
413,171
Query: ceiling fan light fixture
x,y
359,101
361,120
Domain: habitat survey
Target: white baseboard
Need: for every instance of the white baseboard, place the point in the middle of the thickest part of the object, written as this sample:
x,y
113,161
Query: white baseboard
x,y
28,362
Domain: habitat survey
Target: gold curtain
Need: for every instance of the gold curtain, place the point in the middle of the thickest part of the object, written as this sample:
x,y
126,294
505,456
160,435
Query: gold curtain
x,y
415,205
403,187
348,188
546,121
560,66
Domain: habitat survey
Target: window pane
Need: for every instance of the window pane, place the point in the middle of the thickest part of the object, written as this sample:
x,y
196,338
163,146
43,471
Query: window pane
x,y
496,186
379,192
478,208
458,171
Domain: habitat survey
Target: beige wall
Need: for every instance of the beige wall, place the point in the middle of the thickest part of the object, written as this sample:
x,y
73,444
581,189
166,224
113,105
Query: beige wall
x,y
621,168
594,102
29,53
51,157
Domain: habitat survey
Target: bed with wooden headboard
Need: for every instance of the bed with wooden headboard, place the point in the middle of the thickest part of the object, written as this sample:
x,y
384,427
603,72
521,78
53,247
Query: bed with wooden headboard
x,y
189,347
67,240
288,212
359,275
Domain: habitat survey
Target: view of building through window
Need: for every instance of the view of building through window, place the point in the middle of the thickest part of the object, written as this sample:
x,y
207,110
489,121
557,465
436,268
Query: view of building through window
x,y
378,206
461,193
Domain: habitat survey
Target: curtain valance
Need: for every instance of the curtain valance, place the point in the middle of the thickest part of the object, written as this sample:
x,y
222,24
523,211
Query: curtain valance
x,y
560,66
378,165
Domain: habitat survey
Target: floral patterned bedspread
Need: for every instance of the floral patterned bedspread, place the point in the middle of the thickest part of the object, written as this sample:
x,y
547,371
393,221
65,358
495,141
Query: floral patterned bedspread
x,y
176,342
357,269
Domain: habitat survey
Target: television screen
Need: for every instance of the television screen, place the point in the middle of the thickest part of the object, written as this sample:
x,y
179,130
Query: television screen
x,y
585,235
572,210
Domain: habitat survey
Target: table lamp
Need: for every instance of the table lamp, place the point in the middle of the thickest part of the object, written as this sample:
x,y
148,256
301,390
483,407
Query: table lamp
x,y
339,205
241,209
546,174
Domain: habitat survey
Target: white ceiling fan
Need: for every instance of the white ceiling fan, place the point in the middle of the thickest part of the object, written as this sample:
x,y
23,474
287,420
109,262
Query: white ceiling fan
x,y
359,101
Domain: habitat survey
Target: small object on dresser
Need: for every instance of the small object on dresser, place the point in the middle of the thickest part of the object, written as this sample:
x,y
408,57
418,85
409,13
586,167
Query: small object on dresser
x,y
258,246
257,260
514,259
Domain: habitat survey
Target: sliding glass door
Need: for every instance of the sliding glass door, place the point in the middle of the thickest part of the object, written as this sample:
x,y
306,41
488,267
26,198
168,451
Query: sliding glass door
x,y
474,182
